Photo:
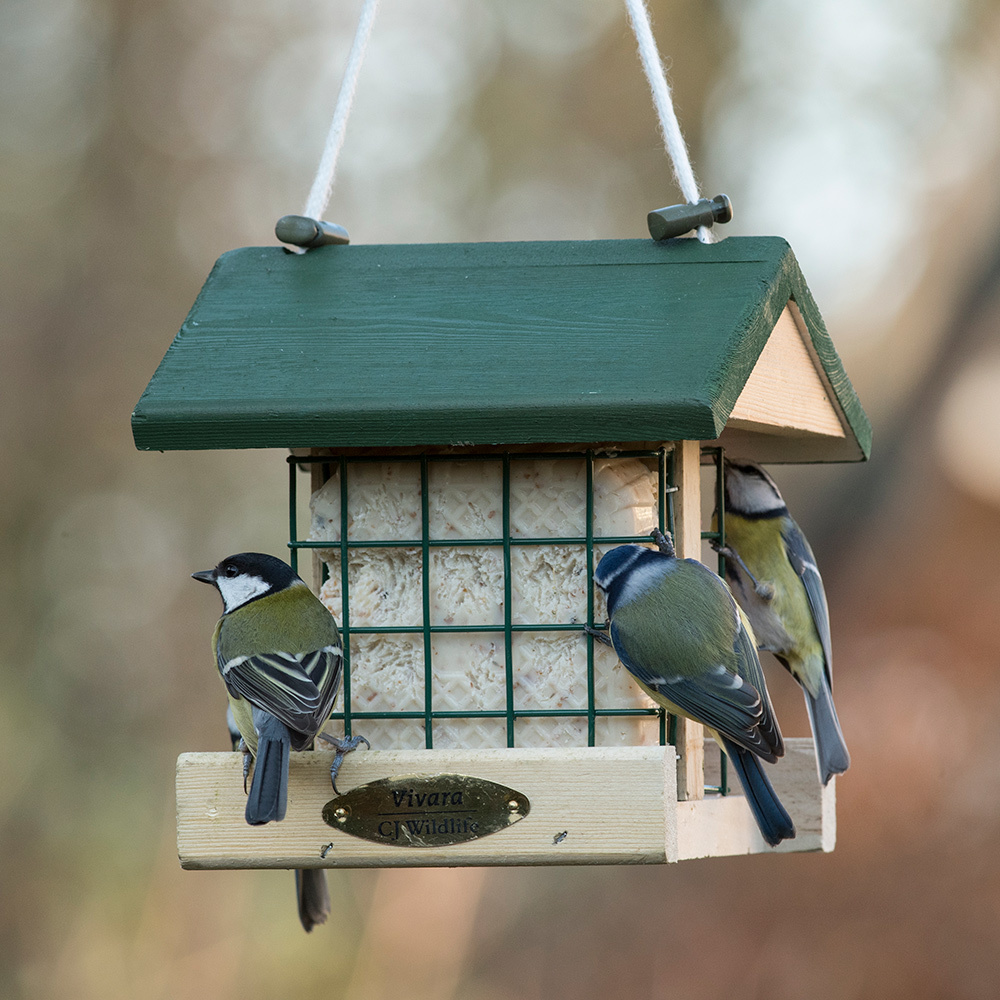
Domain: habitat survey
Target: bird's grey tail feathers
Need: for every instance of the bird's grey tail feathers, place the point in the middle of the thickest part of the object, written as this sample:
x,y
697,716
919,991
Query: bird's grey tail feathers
x,y
774,822
313,896
268,796
831,750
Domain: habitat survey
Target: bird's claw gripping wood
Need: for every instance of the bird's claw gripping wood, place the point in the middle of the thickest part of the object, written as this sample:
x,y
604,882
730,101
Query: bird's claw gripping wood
x,y
247,758
342,747
763,590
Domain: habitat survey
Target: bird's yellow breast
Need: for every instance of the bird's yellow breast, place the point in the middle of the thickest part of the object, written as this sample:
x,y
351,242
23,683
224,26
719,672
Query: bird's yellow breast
x,y
761,546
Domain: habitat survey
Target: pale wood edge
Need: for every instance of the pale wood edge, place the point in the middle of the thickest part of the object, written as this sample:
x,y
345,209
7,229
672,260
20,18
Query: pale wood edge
x,y
792,308
687,541
615,805
788,390
610,805
723,826
758,444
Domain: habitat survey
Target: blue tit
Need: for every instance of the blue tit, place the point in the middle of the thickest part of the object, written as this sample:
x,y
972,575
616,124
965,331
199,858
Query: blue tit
x,y
278,650
772,572
311,892
675,626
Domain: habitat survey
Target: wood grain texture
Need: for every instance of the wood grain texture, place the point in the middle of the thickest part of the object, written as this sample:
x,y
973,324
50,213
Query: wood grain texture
x,y
483,343
615,806
723,825
785,390
611,803
687,542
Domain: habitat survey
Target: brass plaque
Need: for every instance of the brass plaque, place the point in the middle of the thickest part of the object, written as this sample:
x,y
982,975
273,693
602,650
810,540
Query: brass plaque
x,y
426,810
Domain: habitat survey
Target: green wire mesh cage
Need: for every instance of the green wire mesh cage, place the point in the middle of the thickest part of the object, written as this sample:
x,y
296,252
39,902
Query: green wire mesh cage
x,y
471,516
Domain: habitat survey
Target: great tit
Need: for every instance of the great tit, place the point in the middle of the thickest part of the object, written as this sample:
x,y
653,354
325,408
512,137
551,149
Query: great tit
x,y
772,572
311,892
676,627
279,653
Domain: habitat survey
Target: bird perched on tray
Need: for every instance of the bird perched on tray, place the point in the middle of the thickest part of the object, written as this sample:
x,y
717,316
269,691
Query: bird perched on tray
x,y
772,572
675,626
279,653
311,893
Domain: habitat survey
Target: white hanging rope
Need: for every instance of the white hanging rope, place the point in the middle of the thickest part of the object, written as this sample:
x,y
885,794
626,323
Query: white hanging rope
x,y
319,194
672,138
322,186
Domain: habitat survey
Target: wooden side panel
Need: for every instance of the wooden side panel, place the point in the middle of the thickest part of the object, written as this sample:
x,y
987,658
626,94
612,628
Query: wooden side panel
x,y
721,826
785,390
588,806
687,541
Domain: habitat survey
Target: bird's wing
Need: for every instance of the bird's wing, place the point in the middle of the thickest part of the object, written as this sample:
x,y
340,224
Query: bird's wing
x,y
749,668
716,697
297,688
800,555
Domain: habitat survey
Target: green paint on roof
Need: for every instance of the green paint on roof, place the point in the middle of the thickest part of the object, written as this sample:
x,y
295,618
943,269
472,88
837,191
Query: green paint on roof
x,y
476,343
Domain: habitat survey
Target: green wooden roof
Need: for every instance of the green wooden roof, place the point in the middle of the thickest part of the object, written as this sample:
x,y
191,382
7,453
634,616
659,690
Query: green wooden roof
x,y
478,343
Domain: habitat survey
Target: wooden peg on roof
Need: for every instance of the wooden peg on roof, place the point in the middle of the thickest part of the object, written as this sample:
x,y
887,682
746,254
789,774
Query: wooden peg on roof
x,y
676,220
301,231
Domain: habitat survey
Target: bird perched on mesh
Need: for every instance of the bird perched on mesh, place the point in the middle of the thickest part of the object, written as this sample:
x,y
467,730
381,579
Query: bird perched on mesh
x,y
677,629
311,893
279,653
772,572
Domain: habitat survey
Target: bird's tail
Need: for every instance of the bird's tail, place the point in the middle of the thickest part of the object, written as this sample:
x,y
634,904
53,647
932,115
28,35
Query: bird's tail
x,y
268,796
313,896
774,822
831,750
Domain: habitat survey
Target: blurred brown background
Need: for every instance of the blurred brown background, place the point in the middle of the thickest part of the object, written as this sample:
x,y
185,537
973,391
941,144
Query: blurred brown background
x,y
139,140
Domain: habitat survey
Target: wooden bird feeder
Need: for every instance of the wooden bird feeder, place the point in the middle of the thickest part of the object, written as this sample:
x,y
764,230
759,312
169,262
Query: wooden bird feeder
x,y
478,419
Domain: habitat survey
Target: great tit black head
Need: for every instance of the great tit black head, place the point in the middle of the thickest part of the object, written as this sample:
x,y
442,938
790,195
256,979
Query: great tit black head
x,y
246,576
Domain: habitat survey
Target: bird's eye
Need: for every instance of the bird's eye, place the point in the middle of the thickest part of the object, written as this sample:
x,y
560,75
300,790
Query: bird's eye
x,y
231,571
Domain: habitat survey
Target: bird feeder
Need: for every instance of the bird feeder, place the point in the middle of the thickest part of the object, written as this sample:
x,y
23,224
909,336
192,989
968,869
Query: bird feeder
x,y
476,424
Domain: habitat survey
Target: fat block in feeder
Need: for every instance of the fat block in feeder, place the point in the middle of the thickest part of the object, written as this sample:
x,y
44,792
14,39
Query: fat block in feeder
x,y
384,359
549,585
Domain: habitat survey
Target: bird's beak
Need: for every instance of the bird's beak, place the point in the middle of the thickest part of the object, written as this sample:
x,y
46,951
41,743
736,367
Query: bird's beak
x,y
205,576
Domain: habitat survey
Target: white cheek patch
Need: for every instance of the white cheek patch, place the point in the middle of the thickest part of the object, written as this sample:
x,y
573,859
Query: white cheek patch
x,y
237,590
752,494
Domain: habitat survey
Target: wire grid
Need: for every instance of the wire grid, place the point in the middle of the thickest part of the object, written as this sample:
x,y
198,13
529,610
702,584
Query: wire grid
x,y
663,457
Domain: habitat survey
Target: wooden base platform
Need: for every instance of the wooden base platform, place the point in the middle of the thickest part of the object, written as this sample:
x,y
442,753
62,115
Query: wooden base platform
x,y
588,806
